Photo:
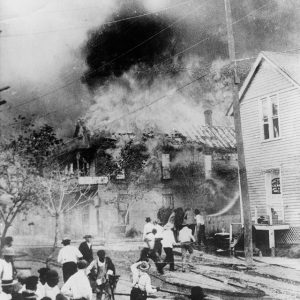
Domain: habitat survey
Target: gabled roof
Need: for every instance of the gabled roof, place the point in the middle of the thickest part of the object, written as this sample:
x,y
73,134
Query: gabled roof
x,y
288,64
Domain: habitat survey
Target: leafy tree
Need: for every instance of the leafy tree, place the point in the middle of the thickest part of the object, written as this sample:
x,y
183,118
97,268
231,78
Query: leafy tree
x,y
22,161
18,187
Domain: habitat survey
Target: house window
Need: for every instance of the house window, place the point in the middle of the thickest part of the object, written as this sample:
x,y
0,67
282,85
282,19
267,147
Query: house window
x,y
166,172
270,119
168,200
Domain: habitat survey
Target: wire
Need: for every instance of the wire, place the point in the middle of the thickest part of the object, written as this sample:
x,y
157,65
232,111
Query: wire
x,y
106,23
251,12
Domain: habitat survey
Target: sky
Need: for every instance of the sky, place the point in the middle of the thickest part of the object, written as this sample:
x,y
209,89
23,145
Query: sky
x,y
43,57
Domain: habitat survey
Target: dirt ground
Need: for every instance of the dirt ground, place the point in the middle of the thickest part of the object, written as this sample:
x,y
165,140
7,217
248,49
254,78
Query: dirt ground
x,y
221,277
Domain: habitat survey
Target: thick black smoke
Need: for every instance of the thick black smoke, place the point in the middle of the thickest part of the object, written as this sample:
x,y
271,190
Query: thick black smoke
x,y
109,49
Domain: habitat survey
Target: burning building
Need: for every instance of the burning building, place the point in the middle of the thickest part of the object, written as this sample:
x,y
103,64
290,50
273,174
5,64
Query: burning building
x,y
193,167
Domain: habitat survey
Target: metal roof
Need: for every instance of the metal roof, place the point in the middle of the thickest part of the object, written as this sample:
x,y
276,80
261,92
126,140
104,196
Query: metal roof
x,y
212,137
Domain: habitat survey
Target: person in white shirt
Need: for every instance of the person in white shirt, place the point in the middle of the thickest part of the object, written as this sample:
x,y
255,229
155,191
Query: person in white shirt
x,y
168,241
149,250
186,238
141,285
7,270
200,227
78,285
147,227
68,257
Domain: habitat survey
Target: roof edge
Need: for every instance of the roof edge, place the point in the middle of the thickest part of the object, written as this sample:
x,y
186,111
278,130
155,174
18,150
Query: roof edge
x,y
262,56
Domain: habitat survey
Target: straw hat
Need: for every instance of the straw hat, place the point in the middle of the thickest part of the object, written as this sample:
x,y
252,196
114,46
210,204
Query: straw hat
x,y
8,251
144,266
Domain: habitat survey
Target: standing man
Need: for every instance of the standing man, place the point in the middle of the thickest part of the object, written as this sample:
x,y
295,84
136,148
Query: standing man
x,y
86,249
200,227
168,241
149,250
7,270
68,257
78,285
141,285
104,271
186,238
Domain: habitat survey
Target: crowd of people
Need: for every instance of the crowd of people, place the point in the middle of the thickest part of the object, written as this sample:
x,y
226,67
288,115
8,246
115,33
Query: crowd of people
x,y
84,275
189,231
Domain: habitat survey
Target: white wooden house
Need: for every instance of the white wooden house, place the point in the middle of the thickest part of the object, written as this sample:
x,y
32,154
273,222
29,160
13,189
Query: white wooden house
x,y
270,115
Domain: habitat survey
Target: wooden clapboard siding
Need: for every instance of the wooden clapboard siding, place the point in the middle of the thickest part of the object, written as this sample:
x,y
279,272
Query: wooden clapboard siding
x,y
283,153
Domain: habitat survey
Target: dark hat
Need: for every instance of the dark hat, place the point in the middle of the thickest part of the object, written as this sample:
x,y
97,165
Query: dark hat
x,y
87,236
148,219
197,293
82,264
66,239
31,282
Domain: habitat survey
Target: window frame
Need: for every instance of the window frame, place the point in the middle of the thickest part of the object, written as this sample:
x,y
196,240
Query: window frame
x,y
270,118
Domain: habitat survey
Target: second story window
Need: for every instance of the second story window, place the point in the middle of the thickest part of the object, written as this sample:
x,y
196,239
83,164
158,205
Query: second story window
x,y
270,119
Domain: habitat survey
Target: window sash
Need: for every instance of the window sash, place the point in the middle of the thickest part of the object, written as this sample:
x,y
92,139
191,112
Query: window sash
x,y
270,117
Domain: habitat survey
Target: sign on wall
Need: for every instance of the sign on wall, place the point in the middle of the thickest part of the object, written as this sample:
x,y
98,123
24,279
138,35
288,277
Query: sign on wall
x,y
93,180
275,185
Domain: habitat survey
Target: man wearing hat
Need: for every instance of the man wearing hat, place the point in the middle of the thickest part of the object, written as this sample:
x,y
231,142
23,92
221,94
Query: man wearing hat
x,y
7,270
68,257
86,249
78,285
141,285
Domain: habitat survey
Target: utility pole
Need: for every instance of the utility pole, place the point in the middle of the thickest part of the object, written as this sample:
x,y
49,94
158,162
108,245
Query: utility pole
x,y
248,246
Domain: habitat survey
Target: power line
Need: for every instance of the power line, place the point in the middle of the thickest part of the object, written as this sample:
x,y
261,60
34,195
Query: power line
x,y
106,23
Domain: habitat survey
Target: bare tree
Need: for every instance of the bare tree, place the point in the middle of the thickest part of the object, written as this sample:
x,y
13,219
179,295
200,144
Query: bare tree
x,y
62,194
